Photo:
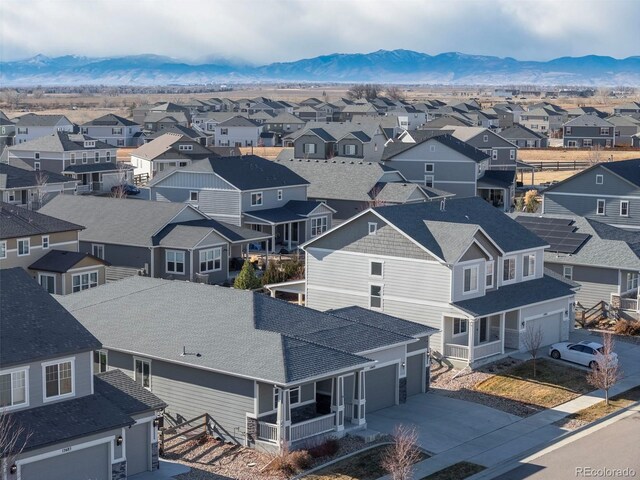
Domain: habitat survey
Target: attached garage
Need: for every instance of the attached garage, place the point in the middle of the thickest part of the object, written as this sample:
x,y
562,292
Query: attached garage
x,y
138,449
93,462
415,374
381,387
550,327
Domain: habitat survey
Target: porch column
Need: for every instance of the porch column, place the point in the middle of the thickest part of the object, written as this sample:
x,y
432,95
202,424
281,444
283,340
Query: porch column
x,y
502,331
472,336
273,239
289,239
358,415
337,401
283,417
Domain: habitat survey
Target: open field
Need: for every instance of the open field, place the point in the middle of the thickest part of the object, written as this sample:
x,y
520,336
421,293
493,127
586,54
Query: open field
x,y
570,155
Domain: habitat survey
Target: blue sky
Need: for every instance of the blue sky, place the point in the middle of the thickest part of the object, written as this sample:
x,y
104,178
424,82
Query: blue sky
x,y
264,31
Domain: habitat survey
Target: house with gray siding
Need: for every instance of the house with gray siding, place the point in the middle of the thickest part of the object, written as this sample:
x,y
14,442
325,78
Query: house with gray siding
x,y
158,239
606,192
30,188
270,374
631,109
626,127
237,131
522,137
32,125
542,119
503,153
459,265
69,419
114,130
7,131
588,130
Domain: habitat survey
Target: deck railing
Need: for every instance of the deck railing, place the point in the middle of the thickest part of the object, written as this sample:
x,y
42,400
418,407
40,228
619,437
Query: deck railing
x,y
456,351
487,349
267,432
299,431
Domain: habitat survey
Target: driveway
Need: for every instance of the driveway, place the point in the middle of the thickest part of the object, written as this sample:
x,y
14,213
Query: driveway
x,y
628,353
441,422
167,471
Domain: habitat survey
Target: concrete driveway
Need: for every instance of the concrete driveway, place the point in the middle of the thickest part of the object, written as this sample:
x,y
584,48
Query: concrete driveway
x,y
441,422
628,353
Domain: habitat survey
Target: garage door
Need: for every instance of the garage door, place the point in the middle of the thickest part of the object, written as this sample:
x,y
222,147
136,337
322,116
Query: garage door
x,y
138,449
550,326
415,367
92,462
381,387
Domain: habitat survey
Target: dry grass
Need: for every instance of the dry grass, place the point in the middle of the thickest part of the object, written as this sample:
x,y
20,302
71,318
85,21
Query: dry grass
x,y
554,384
599,410
364,466
549,176
457,471
570,155
267,152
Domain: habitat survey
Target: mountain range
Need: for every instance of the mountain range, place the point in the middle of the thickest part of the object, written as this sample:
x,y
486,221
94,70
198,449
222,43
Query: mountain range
x,y
383,66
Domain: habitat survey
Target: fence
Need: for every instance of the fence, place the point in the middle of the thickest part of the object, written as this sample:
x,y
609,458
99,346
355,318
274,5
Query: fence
x,y
190,429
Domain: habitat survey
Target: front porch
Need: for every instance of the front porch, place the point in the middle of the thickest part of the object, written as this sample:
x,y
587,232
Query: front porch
x,y
283,235
627,303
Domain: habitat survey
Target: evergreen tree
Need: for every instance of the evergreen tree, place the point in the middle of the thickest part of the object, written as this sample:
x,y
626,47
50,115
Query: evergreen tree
x,y
247,279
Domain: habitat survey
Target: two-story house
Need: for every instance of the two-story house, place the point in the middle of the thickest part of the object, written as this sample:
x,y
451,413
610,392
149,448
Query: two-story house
x,y
459,265
284,124
588,130
522,137
631,109
7,131
69,419
545,120
32,125
114,130
249,191
503,153
606,192
31,188
237,132
158,239
626,127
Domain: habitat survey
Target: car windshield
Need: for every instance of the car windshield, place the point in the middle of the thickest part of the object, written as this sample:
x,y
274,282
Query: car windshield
x,y
601,350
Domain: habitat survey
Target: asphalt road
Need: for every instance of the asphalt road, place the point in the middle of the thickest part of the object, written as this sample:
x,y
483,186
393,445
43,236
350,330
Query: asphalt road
x,y
597,455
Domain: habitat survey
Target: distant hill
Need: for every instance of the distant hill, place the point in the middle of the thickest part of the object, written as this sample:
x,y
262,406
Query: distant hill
x,y
383,66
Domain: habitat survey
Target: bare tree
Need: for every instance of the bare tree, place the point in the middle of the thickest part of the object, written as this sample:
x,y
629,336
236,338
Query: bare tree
x,y
400,457
356,92
368,91
13,439
118,190
605,372
532,341
395,93
41,189
595,155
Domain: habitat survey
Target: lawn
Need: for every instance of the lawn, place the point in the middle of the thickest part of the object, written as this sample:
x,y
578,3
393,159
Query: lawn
x,y
599,410
457,471
363,466
554,384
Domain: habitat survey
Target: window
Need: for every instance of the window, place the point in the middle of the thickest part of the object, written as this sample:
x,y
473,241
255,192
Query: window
x,y
256,199
432,148
509,272
488,272
96,157
567,272
58,379
604,131
84,157
108,156
120,142
99,361
175,261
193,196
375,296
85,130
36,155
624,208
470,279
72,159
459,326
600,207
318,226
211,260
567,130
309,148
3,249
116,131
494,154
97,250
349,150
185,147
599,179
485,138
36,166
224,131
45,242
24,245
428,168
512,154
529,265
279,195
632,281
294,396
12,195
13,388
587,142
84,281
142,372
276,397
375,269
373,228
428,181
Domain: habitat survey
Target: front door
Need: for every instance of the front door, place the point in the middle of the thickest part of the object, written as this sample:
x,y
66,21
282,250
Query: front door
x,y
483,330
48,282
294,232
24,197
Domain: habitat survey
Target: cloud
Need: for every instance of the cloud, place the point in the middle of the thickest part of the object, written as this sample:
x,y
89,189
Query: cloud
x,y
259,32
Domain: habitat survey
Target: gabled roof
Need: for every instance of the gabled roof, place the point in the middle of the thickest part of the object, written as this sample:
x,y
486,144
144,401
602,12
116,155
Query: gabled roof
x,y
401,192
467,133
572,112
19,222
136,399
190,234
164,145
13,177
497,179
37,120
34,326
96,167
238,121
588,120
518,131
383,321
623,121
364,129
179,130
61,261
449,120
395,148
293,210
173,116
627,170
110,120
61,141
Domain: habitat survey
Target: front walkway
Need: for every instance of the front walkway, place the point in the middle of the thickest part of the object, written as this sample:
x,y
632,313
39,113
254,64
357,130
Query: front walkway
x,y
167,471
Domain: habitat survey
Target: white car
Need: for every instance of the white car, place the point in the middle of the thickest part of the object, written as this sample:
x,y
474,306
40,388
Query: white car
x,y
583,353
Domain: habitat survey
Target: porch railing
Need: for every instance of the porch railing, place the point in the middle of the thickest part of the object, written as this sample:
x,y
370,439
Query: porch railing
x,y
487,349
83,188
456,351
267,432
624,303
315,426
348,411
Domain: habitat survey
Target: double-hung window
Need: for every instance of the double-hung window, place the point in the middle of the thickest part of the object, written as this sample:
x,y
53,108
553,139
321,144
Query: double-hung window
x,y
58,379
211,260
459,326
14,388
84,281
488,271
142,372
529,265
470,279
632,281
318,226
45,242
600,207
309,148
624,208
175,261
84,157
294,396
3,249
375,296
24,246
509,269
256,199
96,157
99,361
97,250
567,272
279,193
428,181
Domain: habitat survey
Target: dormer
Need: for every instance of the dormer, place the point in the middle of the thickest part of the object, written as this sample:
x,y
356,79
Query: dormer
x,y
89,144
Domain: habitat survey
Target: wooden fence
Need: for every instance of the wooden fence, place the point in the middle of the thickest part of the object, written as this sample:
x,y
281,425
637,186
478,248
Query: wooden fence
x,y
187,431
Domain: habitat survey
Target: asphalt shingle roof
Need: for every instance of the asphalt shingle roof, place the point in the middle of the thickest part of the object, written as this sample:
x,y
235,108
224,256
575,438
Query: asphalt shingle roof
x,y
13,177
383,321
94,167
108,120
188,234
293,210
588,120
627,169
36,120
395,148
238,121
21,222
136,399
61,142
497,178
62,261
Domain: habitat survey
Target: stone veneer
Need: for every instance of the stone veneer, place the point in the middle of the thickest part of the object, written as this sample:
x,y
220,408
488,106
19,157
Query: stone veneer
x,y
119,471
402,390
155,461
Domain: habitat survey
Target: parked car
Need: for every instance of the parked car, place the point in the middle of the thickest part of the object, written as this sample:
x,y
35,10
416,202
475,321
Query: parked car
x,y
127,188
583,353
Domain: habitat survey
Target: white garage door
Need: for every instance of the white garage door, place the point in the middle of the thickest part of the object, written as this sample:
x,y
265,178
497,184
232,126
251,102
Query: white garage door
x,y
89,463
550,326
380,388
415,369
138,449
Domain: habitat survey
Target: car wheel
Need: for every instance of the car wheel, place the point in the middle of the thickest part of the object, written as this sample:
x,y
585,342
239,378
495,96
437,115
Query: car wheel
x,y
593,364
555,354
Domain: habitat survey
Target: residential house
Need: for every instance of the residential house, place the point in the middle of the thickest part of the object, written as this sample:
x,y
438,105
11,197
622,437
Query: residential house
x,y
158,239
7,131
579,111
250,191
522,137
452,120
32,126
357,112
625,128
484,118
30,188
114,130
270,374
139,113
284,124
309,113
631,109
515,109
409,117
155,121
604,260
503,153
606,192
71,423
588,131
194,134
459,265
237,132
545,120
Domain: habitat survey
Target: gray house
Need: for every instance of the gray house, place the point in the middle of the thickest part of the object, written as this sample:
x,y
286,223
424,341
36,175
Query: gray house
x,y
159,239
30,188
31,126
503,153
460,266
522,137
545,120
589,130
7,131
75,424
269,373
237,132
631,109
607,192
626,127
114,130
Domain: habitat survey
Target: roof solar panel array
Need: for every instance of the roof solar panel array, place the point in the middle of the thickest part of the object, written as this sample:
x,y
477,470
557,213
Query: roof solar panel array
x,y
559,233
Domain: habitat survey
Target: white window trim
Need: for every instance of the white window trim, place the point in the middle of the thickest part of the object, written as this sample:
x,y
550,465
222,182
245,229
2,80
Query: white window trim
x,y
493,274
531,273
381,296
135,373
11,371
166,262
40,275
214,269
463,321
46,399
567,269
28,240
106,361
3,255
72,159
36,166
464,272
373,228
191,192
381,262
323,222
604,206
599,179
101,246
279,195
626,203
515,269
291,403
261,199
426,181
89,277
45,237
433,167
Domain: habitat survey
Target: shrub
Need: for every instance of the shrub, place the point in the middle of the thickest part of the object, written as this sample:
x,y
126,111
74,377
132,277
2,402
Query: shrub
x,y
531,201
300,460
328,448
247,279
627,327
291,463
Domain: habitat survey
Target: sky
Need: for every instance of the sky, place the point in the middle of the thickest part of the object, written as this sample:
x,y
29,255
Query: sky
x,y
264,31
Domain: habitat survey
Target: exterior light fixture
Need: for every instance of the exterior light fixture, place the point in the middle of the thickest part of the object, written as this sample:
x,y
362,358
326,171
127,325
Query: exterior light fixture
x,y
119,440
13,469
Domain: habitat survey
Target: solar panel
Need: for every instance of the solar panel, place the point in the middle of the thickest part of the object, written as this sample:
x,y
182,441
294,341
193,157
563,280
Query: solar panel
x,y
559,233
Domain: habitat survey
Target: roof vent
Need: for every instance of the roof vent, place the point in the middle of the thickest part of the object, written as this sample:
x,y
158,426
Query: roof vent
x,y
184,353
